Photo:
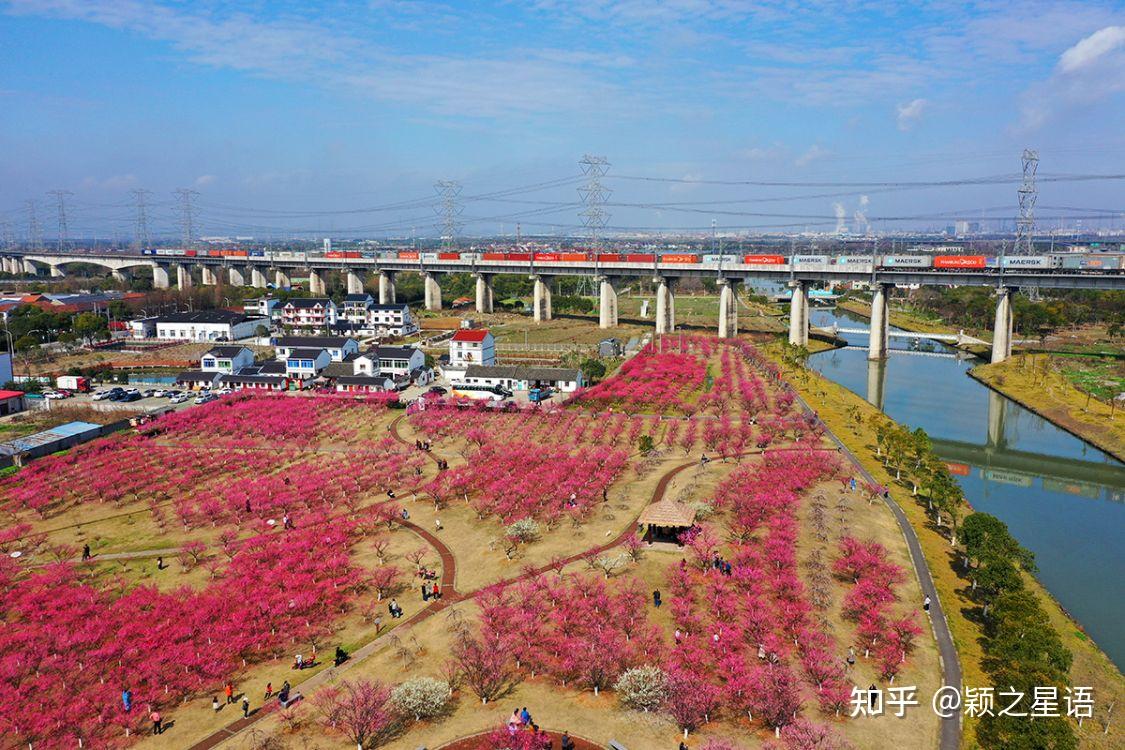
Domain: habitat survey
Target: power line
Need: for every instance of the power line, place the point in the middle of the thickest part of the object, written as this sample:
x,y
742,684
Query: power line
x,y
594,196
990,180
448,210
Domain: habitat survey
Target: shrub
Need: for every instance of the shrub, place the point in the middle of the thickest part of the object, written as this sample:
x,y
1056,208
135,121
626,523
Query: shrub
x,y
421,697
642,688
525,530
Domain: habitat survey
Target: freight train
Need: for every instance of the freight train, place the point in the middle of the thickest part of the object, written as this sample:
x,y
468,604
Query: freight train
x,y
1062,262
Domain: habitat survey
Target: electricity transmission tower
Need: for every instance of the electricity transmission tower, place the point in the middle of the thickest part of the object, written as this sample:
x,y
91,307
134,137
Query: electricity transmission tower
x,y
448,210
1028,194
594,196
60,205
186,198
140,223
34,231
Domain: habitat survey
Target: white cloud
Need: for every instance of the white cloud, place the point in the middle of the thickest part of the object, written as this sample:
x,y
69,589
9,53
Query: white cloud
x,y
204,180
813,153
1087,73
1092,48
910,113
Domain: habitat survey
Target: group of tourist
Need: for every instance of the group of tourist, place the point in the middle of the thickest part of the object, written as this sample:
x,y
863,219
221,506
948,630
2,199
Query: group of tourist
x,y
430,590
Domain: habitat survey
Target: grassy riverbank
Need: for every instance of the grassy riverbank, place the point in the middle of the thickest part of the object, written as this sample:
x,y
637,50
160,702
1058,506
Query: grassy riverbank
x,y
1040,383
1091,667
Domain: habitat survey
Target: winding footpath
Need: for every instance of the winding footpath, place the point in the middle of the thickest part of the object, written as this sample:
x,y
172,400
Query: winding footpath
x,y
951,671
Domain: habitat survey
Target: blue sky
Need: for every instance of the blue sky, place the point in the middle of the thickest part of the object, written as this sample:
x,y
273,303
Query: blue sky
x,y
300,108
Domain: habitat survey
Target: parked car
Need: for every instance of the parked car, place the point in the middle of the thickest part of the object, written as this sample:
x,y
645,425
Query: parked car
x,y
180,398
53,395
437,389
206,398
102,395
149,393
132,396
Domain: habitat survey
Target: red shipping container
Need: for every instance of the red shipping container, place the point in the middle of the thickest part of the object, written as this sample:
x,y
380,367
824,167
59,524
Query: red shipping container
x,y
189,252
610,258
679,258
407,255
574,257
449,256
764,260
639,258
959,261
492,256
517,256
215,253
549,257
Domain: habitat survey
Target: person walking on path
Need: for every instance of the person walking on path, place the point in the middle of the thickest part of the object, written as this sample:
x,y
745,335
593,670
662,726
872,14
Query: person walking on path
x,y
157,722
269,691
245,707
85,552
567,743
656,598
228,691
926,605
215,704
437,524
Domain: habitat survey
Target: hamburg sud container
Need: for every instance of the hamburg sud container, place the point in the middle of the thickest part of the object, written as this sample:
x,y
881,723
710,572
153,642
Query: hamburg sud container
x,y
408,255
679,258
764,260
906,261
961,261
1101,261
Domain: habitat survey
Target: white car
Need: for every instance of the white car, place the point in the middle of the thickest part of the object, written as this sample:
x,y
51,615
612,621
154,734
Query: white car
x,y
158,393
101,395
180,399
53,395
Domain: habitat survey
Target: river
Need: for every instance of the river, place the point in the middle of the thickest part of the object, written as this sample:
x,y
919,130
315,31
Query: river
x,y
1061,497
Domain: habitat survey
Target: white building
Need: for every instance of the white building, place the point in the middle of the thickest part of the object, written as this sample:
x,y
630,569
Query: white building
x,y
338,347
398,361
516,378
142,328
306,363
206,325
226,359
310,313
355,307
268,307
471,347
390,320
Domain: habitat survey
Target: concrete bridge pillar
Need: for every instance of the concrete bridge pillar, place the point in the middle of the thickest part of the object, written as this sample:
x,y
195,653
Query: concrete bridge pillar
x,y
485,296
799,314
665,305
210,278
386,288
235,277
996,417
316,283
876,382
281,279
6,265
57,272
728,309
120,276
30,269
355,282
160,277
541,300
183,277
607,303
257,278
432,290
1002,328
877,347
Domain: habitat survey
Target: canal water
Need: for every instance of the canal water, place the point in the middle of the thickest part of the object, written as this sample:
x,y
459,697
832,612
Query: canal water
x,y
1061,497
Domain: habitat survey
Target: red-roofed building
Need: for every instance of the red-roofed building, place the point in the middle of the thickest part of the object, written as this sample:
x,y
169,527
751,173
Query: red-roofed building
x,y
12,402
471,346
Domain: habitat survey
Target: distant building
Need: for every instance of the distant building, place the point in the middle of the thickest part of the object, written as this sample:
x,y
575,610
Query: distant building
x,y
226,359
206,325
309,313
12,402
399,361
355,307
390,320
519,378
305,364
338,347
267,307
471,347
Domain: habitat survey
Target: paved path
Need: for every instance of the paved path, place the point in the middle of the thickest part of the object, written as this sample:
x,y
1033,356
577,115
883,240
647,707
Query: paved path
x,y
473,742
947,652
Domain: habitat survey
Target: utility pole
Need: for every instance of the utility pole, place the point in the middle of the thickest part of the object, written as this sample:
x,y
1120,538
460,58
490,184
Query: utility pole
x,y
140,223
1028,195
594,196
186,198
60,204
448,210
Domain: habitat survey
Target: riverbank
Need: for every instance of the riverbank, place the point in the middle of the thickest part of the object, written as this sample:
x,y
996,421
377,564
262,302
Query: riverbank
x,y
915,324
1026,380
839,407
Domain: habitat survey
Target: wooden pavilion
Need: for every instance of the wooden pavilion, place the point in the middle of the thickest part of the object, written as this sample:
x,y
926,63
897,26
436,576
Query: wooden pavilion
x,y
665,520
